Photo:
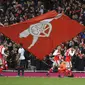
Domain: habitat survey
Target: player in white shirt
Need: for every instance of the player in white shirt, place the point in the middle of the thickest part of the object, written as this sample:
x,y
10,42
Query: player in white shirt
x,y
21,60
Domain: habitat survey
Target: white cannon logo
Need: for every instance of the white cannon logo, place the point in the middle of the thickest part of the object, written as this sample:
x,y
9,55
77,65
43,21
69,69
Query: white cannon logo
x,y
37,30
41,29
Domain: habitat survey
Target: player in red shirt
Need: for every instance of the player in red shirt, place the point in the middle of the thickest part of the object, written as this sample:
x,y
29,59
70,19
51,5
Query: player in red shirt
x,y
68,55
3,62
56,59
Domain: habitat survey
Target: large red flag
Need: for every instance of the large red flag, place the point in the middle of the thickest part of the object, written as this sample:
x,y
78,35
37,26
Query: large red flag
x,y
42,34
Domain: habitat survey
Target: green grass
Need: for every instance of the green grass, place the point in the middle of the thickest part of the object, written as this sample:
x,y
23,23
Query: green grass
x,y
41,81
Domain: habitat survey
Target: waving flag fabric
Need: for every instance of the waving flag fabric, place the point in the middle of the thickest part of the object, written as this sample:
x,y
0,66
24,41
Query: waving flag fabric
x,y
40,35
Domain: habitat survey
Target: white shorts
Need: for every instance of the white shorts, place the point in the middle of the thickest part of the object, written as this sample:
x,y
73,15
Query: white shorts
x,y
56,63
69,65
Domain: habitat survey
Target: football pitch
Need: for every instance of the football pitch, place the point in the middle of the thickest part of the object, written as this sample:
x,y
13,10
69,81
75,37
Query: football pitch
x,y
41,81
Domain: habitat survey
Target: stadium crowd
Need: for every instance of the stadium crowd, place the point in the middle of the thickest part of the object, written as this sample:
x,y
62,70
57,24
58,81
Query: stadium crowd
x,y
15,11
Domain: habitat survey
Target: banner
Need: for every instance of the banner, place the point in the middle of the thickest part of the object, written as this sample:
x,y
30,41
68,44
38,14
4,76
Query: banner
x,y
40,35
